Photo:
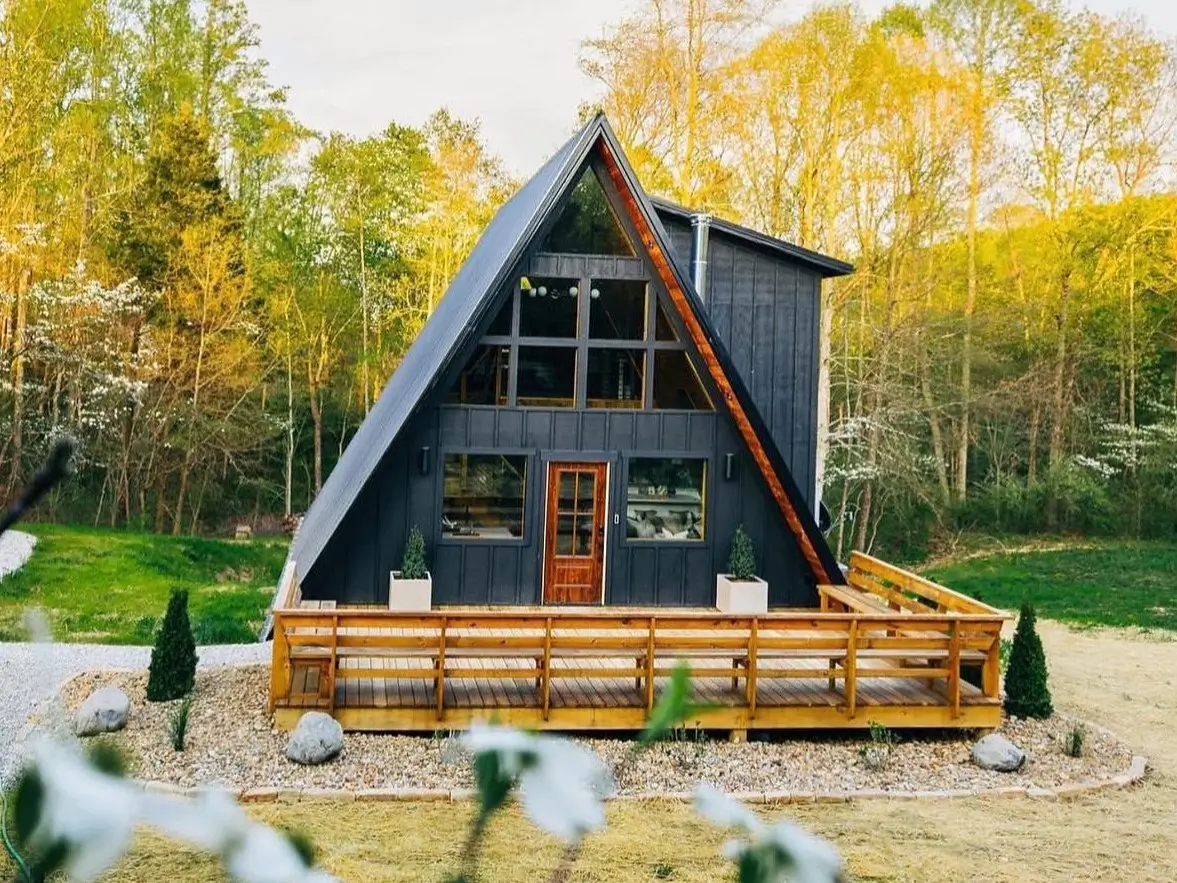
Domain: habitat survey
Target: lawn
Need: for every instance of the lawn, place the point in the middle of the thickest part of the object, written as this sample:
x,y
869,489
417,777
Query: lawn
x,y
1108,584
112,587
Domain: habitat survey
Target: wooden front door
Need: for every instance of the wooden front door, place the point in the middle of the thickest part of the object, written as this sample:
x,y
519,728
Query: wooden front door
x,y
574,550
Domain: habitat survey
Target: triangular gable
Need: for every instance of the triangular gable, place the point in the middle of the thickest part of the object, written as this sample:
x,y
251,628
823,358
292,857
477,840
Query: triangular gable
x,y
451,328
719,365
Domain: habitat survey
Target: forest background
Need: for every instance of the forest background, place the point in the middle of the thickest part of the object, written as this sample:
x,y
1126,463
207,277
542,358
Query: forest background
x,y
210,296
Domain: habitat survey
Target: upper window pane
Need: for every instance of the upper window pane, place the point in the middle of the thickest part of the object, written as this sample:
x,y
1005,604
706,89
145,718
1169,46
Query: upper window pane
x,y
483,496
663,327
676,385
664,499
547,376
616,378
501,326
617,309
484,379
548,307
586,224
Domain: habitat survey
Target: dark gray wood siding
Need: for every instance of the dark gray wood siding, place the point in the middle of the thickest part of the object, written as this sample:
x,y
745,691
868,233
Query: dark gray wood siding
x,y
766,310
356,564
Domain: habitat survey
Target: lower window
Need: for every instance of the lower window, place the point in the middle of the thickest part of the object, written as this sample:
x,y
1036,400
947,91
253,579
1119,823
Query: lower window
x,y
483,496
665,498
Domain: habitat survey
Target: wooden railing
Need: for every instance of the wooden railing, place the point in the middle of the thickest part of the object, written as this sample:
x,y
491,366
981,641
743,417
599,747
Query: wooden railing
x,y
834,646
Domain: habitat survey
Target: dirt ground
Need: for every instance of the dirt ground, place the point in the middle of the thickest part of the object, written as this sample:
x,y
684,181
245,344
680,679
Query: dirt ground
x,y
1121,680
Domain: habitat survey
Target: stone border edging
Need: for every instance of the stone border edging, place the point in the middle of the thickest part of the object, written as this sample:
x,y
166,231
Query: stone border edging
x,y
1135,772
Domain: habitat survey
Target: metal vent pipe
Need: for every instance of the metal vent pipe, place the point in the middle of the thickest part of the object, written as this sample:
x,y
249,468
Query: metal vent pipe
x,y
700,235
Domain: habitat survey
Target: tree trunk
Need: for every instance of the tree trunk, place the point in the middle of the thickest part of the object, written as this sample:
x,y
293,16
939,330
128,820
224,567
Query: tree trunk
x,y
1059,404
178,516
317,421
970,304
18,378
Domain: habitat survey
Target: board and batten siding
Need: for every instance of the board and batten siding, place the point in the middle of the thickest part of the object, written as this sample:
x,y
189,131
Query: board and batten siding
x,y
766,310
355,566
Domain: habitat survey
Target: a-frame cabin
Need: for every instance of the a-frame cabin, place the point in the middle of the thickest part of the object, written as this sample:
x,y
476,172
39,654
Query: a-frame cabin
x,y
609,387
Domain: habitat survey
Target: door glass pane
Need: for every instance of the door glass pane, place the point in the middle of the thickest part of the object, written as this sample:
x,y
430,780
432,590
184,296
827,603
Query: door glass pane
x,y
616,378
617,309
564,528
567,493
584,535
548,307
547,377
588,481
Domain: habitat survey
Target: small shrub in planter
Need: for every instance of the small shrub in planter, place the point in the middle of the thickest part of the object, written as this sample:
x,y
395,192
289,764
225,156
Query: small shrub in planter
x,y
1026,691
740,591
411,587
173,658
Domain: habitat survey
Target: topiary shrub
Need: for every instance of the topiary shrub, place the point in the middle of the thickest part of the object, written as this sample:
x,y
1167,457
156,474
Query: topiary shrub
x,y
413,565
173,658
1026,692
741,561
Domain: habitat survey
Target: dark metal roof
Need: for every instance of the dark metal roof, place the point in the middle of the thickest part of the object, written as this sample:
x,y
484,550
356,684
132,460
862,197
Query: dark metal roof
x,y
449,330
825,264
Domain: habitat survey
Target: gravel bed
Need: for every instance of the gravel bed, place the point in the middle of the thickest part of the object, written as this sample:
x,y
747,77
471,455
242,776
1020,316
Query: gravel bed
x,y
30,673
231,743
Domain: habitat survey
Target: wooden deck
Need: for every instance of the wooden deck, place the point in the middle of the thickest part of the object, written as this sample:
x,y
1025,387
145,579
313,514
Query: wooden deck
x,y
890,648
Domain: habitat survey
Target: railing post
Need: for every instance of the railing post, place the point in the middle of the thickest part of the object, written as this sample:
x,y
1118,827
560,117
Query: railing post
x,y
334,661
851,680
750,680
650,664
439,681
991,673
280,675
546,687
954,668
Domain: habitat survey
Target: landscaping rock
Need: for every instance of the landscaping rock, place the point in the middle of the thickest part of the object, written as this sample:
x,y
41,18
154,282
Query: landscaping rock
x,y
317,738
995,752
105,711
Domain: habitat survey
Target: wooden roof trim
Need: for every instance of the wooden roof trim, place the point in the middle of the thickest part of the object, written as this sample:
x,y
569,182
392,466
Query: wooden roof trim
x,y
711,360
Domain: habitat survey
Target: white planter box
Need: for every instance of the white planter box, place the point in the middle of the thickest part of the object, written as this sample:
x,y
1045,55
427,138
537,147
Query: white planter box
x,y
410,595
741,597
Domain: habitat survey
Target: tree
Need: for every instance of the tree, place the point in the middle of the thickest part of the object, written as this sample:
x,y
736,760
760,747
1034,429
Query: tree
x,y
172,673
1026,691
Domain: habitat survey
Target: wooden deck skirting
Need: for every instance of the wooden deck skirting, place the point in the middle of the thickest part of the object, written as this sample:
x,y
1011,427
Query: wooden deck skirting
x,y
887,648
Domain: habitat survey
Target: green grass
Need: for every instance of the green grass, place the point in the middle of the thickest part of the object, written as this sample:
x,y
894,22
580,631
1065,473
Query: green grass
x,y
1094,584
112,587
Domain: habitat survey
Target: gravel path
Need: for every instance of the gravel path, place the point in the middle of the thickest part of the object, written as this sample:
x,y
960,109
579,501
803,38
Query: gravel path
x,y
29,673
15,548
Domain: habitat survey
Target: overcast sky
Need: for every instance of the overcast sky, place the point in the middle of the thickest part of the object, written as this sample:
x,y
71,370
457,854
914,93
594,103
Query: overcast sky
x,y
354,65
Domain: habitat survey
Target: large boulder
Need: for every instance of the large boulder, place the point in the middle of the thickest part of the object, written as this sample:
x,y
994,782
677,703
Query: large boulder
x,y
995,752
104,711
317,738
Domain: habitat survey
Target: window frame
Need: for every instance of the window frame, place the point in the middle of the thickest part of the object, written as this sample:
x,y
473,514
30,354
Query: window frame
x,y
704,503
528,455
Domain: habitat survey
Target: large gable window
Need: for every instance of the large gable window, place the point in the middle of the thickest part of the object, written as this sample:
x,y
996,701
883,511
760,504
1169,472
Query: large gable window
x,y
484,380
547,376
548,307
616,378
586,223
617,309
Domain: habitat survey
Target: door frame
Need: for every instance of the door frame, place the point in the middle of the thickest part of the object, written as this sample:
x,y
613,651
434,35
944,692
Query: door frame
x,y
574,459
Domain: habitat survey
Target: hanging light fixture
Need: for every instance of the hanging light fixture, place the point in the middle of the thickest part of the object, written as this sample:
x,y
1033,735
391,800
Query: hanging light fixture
x,y
595,293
